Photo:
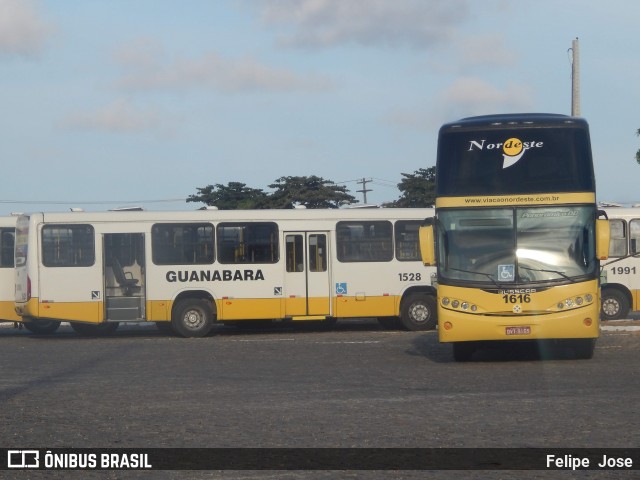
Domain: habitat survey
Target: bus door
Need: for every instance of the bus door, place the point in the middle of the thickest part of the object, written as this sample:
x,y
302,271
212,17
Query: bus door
x,y
124,277
306,285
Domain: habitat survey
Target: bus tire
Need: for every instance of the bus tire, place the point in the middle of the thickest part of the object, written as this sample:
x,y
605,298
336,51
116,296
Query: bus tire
x,y
463,351
418,312
192,317
615,304
41,326
94,330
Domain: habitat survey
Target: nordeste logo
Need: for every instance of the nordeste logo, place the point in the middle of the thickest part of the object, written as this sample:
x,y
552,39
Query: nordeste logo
x,y
512,149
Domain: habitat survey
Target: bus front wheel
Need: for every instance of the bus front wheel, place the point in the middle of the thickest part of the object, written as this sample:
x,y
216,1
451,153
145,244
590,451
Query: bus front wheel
x,y
418,312
192,318
41,326
615,304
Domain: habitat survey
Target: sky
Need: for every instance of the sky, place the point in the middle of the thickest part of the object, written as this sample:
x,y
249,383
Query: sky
x,y
106,104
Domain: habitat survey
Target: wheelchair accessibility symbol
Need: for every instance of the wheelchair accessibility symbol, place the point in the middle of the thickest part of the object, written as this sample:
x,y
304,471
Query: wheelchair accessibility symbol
x,y
506,273
341,288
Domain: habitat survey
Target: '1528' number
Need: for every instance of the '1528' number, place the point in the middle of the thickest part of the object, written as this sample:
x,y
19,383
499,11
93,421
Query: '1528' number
x,y
410,277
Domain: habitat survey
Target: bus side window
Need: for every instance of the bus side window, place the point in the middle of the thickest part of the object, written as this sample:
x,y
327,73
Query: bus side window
x,y
7,237
618,243
634,235
68,246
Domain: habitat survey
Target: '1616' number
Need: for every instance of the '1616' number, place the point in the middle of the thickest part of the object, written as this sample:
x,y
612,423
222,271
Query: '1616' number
x,y
516,298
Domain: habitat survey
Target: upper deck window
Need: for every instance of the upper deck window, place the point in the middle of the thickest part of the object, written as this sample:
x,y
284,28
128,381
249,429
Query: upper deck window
x,y
514,161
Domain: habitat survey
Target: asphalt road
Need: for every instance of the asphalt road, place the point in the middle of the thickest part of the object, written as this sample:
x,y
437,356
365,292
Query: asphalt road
x,y
357,386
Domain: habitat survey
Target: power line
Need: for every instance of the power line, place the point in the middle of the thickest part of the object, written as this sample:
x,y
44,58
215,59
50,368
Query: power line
x,y
91,202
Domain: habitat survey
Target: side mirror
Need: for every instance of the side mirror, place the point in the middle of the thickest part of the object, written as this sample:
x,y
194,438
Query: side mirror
x,y
603,236
427,245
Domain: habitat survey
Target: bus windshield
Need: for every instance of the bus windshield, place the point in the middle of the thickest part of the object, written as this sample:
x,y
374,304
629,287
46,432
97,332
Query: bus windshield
x,y
517,245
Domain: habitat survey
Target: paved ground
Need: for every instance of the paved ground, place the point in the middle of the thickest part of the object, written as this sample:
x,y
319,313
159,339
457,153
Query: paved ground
x,y
359,386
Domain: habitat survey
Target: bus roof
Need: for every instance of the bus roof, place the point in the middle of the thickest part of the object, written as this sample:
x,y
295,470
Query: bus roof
x,y
234,215
517,120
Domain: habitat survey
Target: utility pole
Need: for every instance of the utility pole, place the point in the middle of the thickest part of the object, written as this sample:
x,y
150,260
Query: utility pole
x,y
575,78
364,187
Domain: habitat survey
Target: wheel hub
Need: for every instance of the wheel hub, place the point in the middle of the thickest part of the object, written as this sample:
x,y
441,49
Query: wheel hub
x,y
420,313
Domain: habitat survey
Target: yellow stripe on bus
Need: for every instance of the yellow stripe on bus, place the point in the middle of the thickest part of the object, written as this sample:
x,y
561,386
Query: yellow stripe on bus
x,y
516,199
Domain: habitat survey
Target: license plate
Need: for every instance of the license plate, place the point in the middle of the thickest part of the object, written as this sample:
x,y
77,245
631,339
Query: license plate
x,y
522,330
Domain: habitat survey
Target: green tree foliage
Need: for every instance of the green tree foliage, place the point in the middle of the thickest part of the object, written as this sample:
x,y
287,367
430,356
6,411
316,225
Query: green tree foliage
x,y
234,196
311,191
418,189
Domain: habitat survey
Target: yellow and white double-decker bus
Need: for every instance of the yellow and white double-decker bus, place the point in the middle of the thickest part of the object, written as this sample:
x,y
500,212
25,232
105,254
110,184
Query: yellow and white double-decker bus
x,y
517,235
187,270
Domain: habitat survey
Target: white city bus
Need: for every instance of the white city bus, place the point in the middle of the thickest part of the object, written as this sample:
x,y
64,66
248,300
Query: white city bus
x,y
187,270
7,284
7,237
621,273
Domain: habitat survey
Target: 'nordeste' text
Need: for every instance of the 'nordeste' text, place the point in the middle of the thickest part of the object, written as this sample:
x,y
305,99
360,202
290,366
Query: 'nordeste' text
x,y
214,275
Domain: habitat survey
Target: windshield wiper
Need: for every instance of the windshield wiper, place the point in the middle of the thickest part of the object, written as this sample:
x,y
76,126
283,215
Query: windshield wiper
x,y
557,272
488,275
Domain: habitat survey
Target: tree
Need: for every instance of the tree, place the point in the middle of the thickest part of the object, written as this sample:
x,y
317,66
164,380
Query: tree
x,y
311,191
235,195
418,189
638,152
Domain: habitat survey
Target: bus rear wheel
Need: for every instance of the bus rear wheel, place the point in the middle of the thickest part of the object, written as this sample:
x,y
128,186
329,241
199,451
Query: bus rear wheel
x,y
418,312
41,326
615,304
94,330
192,318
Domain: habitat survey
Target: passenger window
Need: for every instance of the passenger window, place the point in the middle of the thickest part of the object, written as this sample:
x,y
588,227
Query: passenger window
x,y
618,242
250,242
68,246
364,241
182,244
406,236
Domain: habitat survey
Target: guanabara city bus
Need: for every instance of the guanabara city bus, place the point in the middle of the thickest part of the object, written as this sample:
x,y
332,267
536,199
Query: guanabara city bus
x,y
186,270
621,273
517,234
7,287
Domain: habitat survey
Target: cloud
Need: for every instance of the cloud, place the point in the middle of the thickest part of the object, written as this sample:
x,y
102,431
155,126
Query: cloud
x,y
324,23
474,96
22,30
147,68
120,116
485,51
467,96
